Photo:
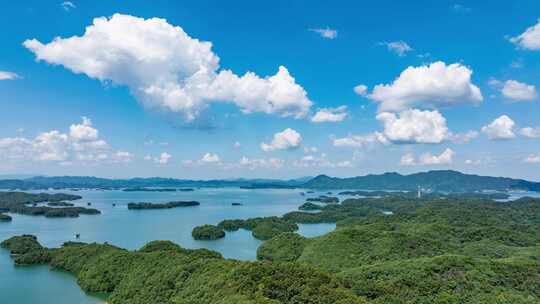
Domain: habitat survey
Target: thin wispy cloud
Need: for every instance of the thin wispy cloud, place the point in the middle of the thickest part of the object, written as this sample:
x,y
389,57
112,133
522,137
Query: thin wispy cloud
x,y
400,48
68,5
326,33
5,75
458,8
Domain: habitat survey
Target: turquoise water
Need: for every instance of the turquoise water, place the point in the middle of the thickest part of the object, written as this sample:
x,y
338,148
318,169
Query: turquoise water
x,y
133,228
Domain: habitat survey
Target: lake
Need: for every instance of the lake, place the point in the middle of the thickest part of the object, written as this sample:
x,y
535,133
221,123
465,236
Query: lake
x,y
133,228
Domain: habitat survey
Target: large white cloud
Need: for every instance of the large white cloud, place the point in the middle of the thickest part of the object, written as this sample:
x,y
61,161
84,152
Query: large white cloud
x,y
519,91
414,126
530,39
80,144
500,128
445,158
165,68
287,139
330,114
432,86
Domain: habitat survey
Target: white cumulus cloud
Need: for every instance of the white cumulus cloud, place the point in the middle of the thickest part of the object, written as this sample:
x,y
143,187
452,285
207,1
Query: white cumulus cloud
x,y
530,39
82,143
167,69
361,90
330,114
414,126
445,158
500,128
432,86
210,158
530,132
287,139
407,159
519,91
163,158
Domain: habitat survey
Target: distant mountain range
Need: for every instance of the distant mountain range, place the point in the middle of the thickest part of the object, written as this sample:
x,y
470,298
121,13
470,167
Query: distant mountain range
x,y
440,180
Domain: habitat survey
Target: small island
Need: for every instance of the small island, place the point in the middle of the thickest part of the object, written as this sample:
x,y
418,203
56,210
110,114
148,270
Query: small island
x,y
5,218
175,204
237,204
27,204
207,232
60,204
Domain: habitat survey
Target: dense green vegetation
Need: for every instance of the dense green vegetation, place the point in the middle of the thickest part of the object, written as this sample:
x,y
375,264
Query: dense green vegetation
x,y
163,272
207,232
27,203
310,206
448,250
262,228
324,199
441,249
60,204
140,206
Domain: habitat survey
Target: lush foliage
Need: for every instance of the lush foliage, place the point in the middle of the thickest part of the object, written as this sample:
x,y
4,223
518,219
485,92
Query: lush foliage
x,y
324,199
207,232
262,228
449,250
162,272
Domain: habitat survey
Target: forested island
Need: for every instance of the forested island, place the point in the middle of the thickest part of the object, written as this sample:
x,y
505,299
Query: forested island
x,y
446,250
27,203
145,205
207,232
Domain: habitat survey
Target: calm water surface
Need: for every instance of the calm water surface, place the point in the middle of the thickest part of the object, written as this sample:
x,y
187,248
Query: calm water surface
x,y
133,228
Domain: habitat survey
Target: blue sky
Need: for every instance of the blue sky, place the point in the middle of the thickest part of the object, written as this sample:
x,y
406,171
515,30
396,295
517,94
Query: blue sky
x,y
448,85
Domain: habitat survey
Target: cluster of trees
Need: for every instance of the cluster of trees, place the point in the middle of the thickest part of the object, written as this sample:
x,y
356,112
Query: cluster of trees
x,y
262,228
324,199
163,272
207,232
